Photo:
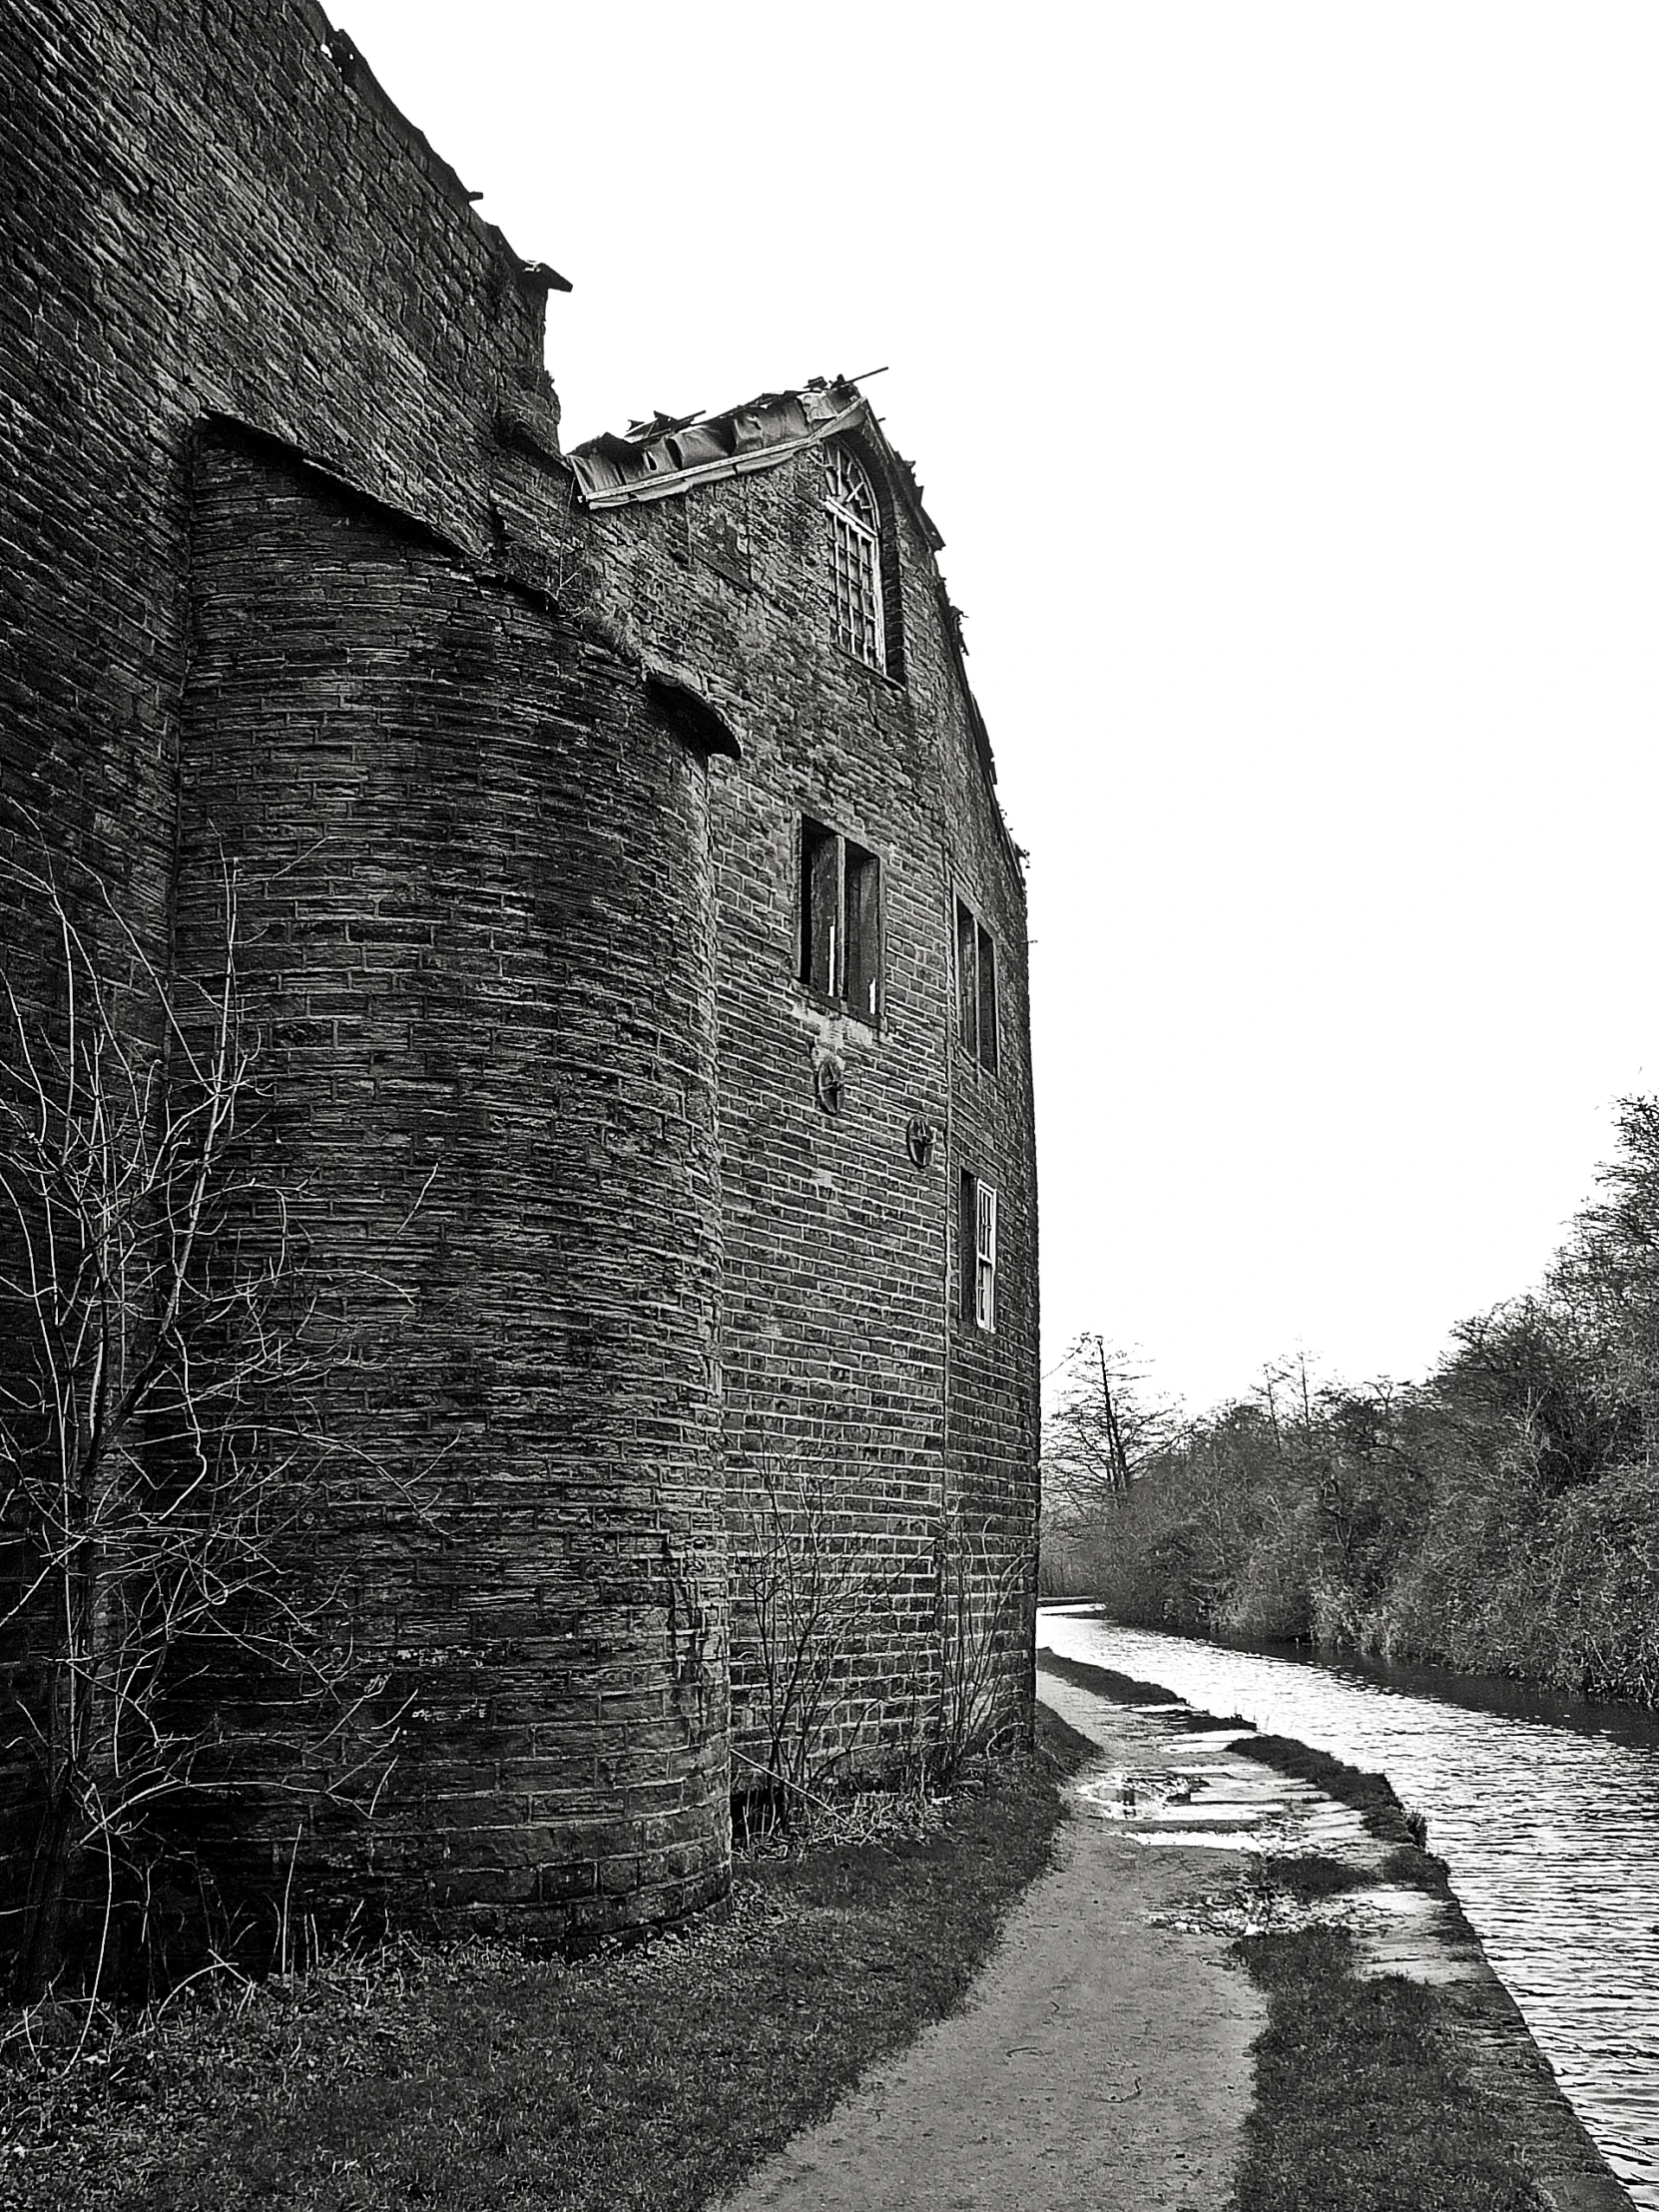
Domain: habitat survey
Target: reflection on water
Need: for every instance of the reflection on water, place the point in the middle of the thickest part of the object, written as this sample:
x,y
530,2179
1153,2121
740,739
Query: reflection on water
x,y
1546,1810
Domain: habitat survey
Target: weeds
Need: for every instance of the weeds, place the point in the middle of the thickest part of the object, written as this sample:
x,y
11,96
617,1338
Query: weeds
x,y
809,1583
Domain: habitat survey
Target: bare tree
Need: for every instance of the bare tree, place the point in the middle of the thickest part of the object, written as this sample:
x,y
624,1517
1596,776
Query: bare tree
x,y
161,1432
1107,1427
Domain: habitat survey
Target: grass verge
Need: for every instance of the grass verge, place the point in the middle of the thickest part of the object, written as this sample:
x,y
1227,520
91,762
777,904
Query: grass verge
x,y
472,2079
1124,1689
1358,2105
1369,1794
1307,1877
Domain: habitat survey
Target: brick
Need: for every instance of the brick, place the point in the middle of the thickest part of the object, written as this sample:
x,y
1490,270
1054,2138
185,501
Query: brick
x,y
296,571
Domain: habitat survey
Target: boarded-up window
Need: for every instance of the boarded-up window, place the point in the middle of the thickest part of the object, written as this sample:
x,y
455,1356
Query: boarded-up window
x,y
987,998
861,906
967,980
841,920
820,899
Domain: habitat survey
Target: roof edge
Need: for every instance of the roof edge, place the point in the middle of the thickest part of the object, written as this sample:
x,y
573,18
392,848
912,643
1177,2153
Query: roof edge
x,y
669,454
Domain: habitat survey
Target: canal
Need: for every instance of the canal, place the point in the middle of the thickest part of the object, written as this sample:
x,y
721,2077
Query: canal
x,y
1546,1811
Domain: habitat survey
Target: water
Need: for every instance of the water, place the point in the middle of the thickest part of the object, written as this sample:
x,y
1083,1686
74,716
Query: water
x,y
1545,1809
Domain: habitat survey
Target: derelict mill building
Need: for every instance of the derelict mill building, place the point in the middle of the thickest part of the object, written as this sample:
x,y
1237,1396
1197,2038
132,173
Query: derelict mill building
x,y
633,944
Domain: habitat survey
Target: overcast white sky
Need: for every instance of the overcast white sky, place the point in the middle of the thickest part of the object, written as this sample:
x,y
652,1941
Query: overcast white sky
x,y
1284,379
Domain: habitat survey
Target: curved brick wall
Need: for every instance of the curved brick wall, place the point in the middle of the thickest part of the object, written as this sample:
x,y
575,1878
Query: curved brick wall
x,y
214,207
476,889
493,960
294,566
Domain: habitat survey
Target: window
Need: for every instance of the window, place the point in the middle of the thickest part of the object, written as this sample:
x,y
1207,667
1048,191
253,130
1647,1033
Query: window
x,y
841,920
856,560
975,988
977,1244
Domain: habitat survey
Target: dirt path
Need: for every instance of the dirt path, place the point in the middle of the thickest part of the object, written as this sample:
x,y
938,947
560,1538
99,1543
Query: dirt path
x,y
1103,2061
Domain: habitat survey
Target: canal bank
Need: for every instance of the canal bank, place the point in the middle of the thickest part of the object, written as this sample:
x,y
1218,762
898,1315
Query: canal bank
x,y
1383,2008
1552,1832
1241,1983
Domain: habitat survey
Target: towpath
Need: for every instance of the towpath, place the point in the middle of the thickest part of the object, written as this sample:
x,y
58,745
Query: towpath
x,y
1104,2058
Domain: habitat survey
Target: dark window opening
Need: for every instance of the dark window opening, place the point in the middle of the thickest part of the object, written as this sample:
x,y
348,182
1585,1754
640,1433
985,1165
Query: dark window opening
x,y
976,1013
820,907
863,931
841,920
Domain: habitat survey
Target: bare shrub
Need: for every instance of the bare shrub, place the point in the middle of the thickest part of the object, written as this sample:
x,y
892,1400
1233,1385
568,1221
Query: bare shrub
x,y
984,1591
164,1439
804,1580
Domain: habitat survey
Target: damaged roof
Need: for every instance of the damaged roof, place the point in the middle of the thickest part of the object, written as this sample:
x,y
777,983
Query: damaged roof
x,y
666,455
669,453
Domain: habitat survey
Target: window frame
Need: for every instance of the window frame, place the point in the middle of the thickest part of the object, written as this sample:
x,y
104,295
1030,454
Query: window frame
x,y
841,922
858,596
978,1256
978,989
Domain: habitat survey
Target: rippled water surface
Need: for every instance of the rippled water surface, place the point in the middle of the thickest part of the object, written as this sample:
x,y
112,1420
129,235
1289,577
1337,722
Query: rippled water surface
x,y
1546,1810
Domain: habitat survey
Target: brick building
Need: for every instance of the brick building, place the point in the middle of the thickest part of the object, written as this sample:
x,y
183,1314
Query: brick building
x,y
636,950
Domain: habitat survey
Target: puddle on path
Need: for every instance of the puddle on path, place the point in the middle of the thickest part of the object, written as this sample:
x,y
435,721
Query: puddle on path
x,y
1160,1794
1546,1811
1163,1794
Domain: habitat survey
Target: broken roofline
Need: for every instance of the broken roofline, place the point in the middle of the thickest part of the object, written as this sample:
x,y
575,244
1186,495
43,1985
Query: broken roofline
x,y
666,456
661,458
356,75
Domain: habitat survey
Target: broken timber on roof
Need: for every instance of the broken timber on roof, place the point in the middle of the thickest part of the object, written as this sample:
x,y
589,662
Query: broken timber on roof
x,y
665,456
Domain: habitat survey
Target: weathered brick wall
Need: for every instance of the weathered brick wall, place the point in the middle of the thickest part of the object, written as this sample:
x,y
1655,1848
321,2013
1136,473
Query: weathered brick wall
x,y
476,889
213,209
294,566
489,956
994,1393
844,1353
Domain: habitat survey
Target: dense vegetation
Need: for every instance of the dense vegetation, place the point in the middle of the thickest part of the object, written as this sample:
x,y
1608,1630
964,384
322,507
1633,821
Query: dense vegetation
x,y
1500,1517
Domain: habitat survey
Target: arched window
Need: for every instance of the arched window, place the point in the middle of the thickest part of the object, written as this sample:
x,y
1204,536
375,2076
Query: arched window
x,y
856,560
